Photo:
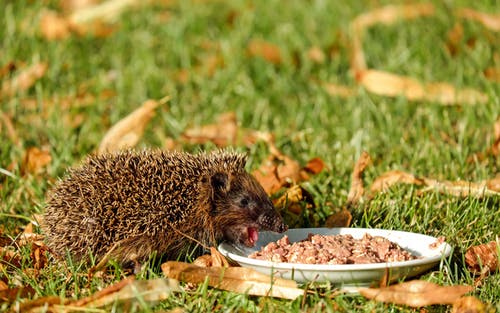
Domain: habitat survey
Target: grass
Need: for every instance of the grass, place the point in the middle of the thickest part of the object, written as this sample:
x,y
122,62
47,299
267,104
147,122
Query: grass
x,y
151,44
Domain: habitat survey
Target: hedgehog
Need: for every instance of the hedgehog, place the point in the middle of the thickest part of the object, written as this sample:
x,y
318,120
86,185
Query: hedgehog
x,y
129,205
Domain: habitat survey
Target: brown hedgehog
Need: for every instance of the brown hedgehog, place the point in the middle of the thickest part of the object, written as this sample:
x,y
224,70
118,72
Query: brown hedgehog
x,y
137,203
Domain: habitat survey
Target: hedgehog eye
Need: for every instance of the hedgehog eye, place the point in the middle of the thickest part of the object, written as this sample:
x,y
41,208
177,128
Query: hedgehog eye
x,y
244,202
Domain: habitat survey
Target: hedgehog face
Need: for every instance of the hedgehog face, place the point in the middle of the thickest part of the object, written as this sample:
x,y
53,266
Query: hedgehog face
x,y
241,208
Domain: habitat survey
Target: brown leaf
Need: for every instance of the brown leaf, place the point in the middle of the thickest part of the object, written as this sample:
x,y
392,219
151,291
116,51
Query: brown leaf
x,y
54,26
483,258
314,165
6,121
24,79
416,293
492,73
222,133
470,304
75,5
35,160
130,290
292,199
336,90
490,21
276,172
263,49
236,279
392,85
357,189
462,188
316,55
385,15
385,181
342,218
128,131
13,294
215,259
454,36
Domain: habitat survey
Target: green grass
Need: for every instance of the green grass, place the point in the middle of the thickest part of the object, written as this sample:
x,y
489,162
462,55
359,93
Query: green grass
x,y
140,60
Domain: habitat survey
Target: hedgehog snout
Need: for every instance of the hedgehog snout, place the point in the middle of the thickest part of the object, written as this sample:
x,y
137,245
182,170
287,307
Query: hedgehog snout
x,y
273,223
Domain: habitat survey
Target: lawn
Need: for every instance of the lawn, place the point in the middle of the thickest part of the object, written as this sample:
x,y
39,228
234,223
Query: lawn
x,y
270,63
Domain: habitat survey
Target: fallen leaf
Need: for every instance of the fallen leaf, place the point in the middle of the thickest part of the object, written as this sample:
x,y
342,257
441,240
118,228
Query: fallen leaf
x,y
470,304
13,294
128,131
35,160
385,15
462,188
24,79
492,73
483,258
342,218
454,37
129,291
222,133
314,166
416,293
75,5
214,259
357,189
392,85
388,179
336,90
54,26
490,21
293,198
276,172
263,49
6,121
236,279
316,55
8,68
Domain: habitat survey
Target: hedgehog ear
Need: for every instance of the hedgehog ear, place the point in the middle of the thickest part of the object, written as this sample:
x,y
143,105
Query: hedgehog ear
x,y
220,182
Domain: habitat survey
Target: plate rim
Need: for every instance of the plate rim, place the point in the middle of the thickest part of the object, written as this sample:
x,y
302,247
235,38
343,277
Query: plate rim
x,y
443,251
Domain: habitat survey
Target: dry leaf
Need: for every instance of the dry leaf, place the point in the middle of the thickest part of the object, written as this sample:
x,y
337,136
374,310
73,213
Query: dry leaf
x,y
13,294
357,189
6,121
316,55
268,51
470,304
277,171
483,258
416,293
53,26
150,291
385,15
314,166
342,218
392,85
236,279
455,35
128,131
492,73
385,181
23,80
490,21
75,5
35,160
292,198
214,259
222,133
462,188
336,90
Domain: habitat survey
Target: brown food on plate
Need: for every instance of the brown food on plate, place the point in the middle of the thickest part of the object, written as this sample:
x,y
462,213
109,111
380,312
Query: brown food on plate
x,y
333,249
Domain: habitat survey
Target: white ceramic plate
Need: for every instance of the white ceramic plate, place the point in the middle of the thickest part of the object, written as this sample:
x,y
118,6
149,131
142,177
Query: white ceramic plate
x,y
349,275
